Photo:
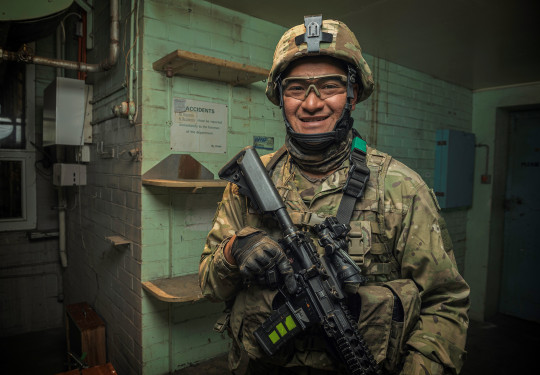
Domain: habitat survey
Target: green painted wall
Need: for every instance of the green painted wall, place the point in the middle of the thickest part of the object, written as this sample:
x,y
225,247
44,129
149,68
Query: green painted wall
x,y
486,217
175,222
400,118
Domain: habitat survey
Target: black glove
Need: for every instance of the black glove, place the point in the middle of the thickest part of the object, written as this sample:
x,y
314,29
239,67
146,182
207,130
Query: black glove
x,y
261,259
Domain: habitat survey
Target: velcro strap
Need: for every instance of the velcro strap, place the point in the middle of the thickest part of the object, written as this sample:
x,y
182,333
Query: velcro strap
x,y
377,248
358,259
306,218
379,268
375,227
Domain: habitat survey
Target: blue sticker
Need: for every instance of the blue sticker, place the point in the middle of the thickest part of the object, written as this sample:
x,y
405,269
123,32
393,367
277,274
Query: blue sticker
x,y
263,143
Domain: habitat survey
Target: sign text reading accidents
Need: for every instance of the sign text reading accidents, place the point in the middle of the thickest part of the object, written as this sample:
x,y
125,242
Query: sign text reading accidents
x,y
199,126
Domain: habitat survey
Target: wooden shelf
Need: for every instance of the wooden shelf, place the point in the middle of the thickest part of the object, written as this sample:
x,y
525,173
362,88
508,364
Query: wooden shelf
x,y
175,289
192,64
119,241
185,183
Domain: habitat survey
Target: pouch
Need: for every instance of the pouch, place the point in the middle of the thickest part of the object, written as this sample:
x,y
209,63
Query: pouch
x,y
385,336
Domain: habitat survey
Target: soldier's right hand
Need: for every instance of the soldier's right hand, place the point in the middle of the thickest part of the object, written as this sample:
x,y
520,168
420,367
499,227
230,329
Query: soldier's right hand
x,y
258,257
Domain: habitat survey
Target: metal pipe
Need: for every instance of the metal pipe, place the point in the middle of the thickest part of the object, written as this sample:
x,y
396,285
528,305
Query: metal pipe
x,y
106,64
62,250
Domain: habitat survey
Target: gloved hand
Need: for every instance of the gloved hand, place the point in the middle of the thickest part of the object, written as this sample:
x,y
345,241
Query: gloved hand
x,y
261,259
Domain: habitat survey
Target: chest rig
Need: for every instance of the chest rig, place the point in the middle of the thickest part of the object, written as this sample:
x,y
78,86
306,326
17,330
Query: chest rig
x,y
362,207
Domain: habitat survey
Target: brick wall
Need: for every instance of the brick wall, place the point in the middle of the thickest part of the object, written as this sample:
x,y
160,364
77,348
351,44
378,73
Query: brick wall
x,y
106,277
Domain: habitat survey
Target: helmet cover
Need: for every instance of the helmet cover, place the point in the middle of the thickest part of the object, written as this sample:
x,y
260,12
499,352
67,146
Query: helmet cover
x,y
343,46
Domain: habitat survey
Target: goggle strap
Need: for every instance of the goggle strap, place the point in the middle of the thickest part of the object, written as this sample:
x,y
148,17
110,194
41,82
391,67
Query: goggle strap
x,y
351,80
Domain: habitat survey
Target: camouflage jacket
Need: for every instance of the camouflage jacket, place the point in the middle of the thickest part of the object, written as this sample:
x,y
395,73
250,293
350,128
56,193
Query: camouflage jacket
x,y
400,242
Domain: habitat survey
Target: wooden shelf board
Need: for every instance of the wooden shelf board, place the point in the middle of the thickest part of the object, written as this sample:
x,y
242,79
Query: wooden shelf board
x,y
192,64
175,289
118,240
186,183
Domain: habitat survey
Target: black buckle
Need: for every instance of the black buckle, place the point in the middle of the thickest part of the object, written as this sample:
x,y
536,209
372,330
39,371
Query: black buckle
x,y
358,174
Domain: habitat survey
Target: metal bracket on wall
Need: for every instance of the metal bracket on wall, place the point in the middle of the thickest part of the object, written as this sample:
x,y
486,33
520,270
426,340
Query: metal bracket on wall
x,y
486,177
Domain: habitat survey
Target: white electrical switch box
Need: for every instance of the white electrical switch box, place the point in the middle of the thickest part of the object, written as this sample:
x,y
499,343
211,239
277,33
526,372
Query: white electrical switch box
x,y
69,174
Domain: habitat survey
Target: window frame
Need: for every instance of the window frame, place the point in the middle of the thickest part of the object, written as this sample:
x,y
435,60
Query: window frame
x,y
28,157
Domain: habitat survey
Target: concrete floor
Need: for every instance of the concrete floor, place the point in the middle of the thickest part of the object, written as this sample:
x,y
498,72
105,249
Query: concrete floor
x,y
503,345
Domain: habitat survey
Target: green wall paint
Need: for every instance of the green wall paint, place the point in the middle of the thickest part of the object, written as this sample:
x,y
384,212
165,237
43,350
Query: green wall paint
x,y
175,222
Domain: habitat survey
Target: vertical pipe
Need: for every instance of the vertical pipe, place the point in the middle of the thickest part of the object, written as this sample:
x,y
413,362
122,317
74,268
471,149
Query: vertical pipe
x,y
130,51
61,215
59,70
62,227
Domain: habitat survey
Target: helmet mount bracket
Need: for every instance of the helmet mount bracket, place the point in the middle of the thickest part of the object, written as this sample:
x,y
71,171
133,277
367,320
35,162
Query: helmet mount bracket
x,y
314,34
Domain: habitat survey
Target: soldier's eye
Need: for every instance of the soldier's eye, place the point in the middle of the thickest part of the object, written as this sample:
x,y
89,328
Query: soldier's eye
x,y
329,86
296,88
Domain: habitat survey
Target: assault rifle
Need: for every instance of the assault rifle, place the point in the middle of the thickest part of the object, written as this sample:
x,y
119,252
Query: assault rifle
x,y
319,300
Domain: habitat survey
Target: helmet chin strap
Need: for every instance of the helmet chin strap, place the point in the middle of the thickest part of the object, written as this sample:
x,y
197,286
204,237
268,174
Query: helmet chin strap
x,y
341,128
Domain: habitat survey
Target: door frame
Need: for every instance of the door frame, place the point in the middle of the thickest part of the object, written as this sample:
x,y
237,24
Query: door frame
x,y
490,124
496,227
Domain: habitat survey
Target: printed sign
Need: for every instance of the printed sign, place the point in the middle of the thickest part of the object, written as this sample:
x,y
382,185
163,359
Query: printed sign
x,y
199,126
263,143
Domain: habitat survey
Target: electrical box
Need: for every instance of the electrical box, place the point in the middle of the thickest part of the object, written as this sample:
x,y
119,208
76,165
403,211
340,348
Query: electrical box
x,y
69,174
454,168
63,112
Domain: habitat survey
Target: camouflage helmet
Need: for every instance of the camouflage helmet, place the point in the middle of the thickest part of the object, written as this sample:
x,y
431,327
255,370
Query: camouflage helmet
x,y
343,45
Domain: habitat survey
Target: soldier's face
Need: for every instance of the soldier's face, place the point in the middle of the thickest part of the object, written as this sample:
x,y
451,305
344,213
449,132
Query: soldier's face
x,y
314,114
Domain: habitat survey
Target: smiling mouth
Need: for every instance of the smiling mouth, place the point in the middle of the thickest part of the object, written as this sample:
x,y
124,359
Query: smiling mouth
x,y
314,119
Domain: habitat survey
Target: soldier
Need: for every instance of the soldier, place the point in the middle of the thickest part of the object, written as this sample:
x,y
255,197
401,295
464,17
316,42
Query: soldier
x,y
413,309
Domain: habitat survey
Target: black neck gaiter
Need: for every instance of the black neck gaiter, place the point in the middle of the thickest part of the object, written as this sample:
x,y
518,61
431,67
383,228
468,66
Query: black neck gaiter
x,y
319,158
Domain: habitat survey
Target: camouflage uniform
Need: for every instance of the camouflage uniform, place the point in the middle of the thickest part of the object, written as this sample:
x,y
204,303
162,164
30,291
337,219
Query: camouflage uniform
x,y
398,238
400,242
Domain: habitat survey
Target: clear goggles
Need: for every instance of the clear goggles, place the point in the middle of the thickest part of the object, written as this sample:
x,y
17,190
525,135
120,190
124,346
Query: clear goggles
x,y
324,86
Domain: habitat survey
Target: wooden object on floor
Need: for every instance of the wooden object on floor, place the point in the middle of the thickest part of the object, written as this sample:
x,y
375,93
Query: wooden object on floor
x,y
106,369
85,333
